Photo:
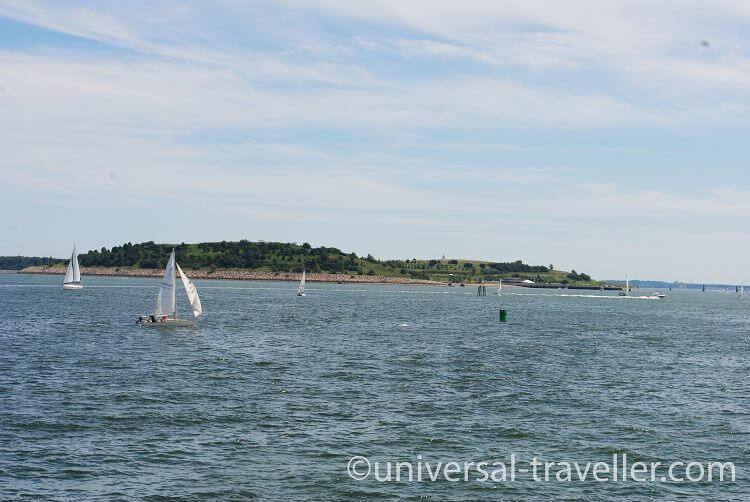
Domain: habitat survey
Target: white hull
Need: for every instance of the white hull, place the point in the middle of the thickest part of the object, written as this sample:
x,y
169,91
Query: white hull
x,y
170,323
73,285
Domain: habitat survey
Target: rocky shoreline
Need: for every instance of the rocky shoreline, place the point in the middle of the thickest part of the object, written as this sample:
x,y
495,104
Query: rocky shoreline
x,y
234,275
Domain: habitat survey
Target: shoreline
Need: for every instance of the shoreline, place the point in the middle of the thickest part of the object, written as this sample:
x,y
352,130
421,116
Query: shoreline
x,y
259,275
235,275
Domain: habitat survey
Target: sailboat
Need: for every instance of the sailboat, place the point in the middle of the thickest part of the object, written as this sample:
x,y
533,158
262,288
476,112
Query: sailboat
x,y
742,292
301,290
73,274
500,286
626,291
165,311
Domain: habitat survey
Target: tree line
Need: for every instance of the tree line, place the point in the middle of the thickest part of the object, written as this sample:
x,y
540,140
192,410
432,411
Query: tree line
x,y
274,256
21,262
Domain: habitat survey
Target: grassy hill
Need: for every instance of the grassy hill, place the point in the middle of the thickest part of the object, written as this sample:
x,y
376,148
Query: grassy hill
x,y
292,257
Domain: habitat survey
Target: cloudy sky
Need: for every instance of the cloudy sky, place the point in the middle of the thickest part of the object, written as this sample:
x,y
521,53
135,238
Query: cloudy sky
x,y
609,137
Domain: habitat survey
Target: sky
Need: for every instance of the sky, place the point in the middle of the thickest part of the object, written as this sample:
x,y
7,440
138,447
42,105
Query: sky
x,y
606,137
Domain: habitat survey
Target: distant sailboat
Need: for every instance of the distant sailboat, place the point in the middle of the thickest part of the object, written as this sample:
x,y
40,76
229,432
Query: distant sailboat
x,y
165,311
500,287
73,274
301,290
742,292
626,291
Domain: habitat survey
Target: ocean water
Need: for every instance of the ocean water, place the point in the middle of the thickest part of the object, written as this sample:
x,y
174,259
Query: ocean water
x,y
271,395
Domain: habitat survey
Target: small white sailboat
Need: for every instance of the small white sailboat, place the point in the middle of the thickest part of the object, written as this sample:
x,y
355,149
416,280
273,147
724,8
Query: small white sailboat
x,y
301,289
165,311
741,294
626,291
500,286
72,278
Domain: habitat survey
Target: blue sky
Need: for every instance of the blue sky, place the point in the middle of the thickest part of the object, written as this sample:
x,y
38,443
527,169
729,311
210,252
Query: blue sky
x,y
609,137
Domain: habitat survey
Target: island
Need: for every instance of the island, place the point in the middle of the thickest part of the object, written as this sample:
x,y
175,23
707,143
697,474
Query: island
x,y
260,260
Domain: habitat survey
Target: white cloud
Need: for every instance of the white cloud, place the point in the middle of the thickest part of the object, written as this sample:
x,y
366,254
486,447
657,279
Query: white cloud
x,y
720,201
640,55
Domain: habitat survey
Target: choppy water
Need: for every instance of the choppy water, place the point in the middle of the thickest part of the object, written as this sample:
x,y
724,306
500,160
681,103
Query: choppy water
x,y
272,394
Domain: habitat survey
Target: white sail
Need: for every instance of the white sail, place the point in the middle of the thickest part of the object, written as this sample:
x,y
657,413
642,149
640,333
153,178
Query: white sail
x,y
69,274
73,274
627,286
301,290
192,293
500,287
742,291
165,301
76,269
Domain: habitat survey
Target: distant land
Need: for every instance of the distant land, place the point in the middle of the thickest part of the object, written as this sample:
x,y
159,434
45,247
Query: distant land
x,y
647,284
21,262
280,259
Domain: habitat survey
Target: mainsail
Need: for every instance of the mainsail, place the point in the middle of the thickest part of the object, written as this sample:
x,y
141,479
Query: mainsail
x,y
73,274
165,301
192,293
301,290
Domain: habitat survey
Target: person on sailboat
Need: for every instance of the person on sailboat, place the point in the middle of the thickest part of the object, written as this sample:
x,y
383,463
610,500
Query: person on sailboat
x,y
143,318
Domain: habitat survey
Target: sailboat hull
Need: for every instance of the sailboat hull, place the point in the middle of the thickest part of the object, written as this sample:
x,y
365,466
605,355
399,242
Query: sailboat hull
x,y
73,285
171,323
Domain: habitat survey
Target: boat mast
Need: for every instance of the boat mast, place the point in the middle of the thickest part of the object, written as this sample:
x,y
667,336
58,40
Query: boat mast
x,y
174,285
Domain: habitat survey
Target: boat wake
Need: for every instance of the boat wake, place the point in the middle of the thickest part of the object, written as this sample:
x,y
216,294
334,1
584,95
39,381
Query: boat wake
x,y
605,297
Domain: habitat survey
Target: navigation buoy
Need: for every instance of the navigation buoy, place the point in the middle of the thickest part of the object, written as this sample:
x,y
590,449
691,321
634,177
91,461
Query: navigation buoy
x,y
503,315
